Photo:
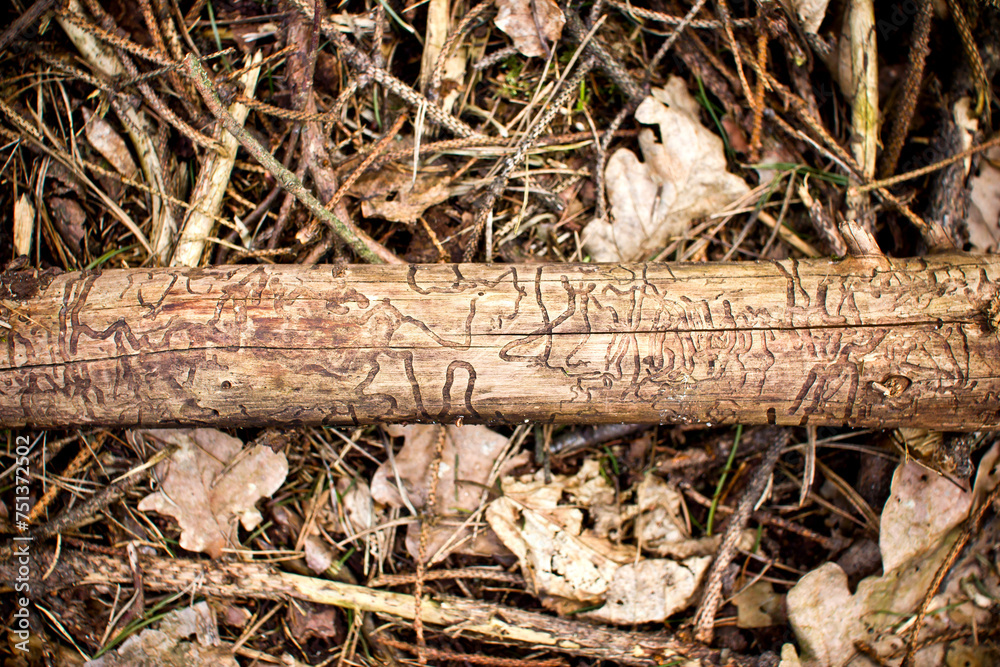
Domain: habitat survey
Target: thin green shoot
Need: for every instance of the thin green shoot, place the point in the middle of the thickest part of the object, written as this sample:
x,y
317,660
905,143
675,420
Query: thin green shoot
x,y
215,33
108,255
836,179
713,111
151,616
583,98
612,460
402,24
259,530
722,481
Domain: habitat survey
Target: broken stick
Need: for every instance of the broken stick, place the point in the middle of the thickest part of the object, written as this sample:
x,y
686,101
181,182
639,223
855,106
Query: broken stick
x,y
865,341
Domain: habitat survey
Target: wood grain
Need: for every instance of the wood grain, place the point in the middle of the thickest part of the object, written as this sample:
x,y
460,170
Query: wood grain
x,y
871,342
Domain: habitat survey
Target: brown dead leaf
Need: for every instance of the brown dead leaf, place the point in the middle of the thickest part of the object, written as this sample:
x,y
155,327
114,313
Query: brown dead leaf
x,y
210,482
231,614
527,22
308,620
394,196
319,555
468,457
683,177
828,619
69,219
984,204
109,144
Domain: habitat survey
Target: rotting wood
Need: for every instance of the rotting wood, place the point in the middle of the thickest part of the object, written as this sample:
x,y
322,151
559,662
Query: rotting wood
x,y
866,341
507,625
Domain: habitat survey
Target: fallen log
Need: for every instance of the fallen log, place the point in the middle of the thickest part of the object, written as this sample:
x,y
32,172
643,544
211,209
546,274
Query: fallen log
x,y
867,341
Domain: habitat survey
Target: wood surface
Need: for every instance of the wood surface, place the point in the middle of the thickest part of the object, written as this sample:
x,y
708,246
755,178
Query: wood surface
x,y
868,341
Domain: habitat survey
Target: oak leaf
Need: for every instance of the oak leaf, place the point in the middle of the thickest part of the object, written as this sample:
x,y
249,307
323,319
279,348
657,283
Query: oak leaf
x,y
468,459
683,177
527,23
210,482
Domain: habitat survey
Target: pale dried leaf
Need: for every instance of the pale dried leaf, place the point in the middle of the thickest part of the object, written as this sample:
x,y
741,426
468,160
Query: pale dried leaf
x,y
210,483
789,656
467,459
651,590
988,474
682,178
109,144
577,566
810,13
555,556
921,508
821,611
984,204
24,224
967,123
394,196
758,606
319,555
169,646
517,20
827,619
661,528
359,508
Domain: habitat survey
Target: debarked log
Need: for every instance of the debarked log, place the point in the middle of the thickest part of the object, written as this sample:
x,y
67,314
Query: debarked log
x,y
871,342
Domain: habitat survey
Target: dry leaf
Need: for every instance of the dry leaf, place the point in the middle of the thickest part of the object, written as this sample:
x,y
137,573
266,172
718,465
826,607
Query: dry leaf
x,y
467,459
24,224
558,557
527,22
810,13
109,144
393,195
758,606
922,507
169,645
651,590
308,620
69,218
210,482
319,555
681,179
661,527
984,204
580,566
827,619
359,508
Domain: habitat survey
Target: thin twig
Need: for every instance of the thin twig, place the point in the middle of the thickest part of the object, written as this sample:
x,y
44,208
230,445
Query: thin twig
x,y
704,620
284,176
919,49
